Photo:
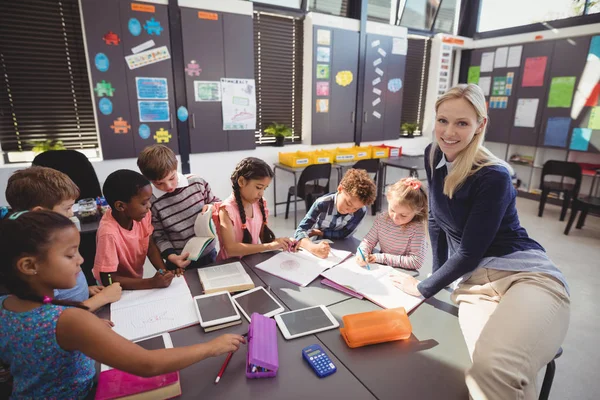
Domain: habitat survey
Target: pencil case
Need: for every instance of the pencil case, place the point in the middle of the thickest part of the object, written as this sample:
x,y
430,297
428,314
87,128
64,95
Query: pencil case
x,y
262,360
374,327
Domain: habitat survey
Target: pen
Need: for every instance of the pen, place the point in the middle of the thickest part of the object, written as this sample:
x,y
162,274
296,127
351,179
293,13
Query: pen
x,y
363,257
109,279
222,370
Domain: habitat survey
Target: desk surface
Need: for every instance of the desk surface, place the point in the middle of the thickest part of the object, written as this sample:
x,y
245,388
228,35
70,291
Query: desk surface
x,y
406,162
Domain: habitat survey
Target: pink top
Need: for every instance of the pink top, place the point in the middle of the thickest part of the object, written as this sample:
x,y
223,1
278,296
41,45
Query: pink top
x,y
120,250
254,223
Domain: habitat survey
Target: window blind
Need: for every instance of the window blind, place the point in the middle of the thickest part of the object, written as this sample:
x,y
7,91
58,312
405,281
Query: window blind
x,y
415,81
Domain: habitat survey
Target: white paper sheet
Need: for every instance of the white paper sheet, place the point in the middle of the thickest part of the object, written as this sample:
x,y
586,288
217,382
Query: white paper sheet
x,y
501,56
399,46
487,62
526,112
485,82
514,56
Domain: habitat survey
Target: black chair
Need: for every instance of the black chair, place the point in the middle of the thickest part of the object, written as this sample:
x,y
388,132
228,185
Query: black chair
x,y
372,167
564,169
76,166
583,204
309,187
549,376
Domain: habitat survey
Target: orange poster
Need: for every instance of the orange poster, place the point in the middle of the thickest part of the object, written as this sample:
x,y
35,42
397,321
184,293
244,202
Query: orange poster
x,y
143,7
208,15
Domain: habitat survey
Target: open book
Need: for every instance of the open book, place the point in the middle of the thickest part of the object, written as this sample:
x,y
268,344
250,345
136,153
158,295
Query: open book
x,y
374,284
204,229
230,277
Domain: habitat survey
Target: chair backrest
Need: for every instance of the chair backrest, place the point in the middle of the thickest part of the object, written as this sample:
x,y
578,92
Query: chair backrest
x,y
563,169
313,173
76,166
371,165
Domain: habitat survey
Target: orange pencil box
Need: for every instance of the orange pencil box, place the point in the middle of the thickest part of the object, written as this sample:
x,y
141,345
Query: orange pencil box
x,y
374,327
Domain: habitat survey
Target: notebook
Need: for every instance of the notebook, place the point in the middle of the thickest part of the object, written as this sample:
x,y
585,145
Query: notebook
x,y
222,326
301,268
229,277
115,384
143,313
374,284
204,231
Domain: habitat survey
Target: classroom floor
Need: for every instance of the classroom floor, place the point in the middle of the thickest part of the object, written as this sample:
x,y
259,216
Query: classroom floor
x,y
577,255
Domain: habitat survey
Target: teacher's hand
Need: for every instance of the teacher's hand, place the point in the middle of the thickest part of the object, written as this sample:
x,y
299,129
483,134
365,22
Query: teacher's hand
x,y
406,283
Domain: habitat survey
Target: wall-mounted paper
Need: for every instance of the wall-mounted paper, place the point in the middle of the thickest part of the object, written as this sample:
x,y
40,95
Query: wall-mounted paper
x,y
499,87
382,52
376,101
526,112
376,91
322,105
323,54
147,57
376,115
535,68
238,104
151,88
154,111
485,82
514,56
144,46
594,118
376,81
399,46
207,90
322,88
487,62
375,43
561,92
322,71
501,56
557,132
473,76
378,71
324,37
594,48
581,139
592,99
377,62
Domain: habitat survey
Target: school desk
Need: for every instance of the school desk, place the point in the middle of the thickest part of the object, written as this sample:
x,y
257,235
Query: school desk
x,y
411,163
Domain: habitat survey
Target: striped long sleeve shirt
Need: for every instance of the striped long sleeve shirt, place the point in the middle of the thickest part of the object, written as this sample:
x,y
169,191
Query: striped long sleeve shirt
x,y
401,246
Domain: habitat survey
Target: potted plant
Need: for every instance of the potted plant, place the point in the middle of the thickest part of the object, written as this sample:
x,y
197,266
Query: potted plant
x,y
409,129
40,146
280,131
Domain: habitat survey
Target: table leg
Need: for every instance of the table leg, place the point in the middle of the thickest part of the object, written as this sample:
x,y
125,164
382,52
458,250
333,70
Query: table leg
x,y
295,202
275,190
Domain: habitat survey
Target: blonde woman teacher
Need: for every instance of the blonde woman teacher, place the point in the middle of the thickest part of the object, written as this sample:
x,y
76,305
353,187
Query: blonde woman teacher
x,y
513,302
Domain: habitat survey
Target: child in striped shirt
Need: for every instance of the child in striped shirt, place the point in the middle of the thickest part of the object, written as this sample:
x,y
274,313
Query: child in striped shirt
x,y
401,231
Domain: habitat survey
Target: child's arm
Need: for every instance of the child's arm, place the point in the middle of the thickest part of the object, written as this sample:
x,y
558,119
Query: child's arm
x,y
368,244
108,294
237,249
209,196
79,330
154,255
348,229
415,254
161,279
308,222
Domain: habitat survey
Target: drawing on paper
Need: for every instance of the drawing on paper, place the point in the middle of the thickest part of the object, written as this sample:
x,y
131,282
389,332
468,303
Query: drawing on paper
x,y
152,320
289,265
238,103
193,69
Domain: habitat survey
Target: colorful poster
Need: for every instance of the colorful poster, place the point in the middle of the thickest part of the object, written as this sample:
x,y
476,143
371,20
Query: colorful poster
x,y
151,88
147,57
535,68
514,56
144,46
399,46
557,132
154,111
322,88
501,57
526,112
580,139
322,71
238,102
509,83
324,37
561,92
474,73
322,105
323,54
499,88
485,82
487,62
592,100
207,90
594,118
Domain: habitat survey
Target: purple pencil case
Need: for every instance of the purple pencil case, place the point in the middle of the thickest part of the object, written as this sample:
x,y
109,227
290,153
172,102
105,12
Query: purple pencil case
x,y
262,360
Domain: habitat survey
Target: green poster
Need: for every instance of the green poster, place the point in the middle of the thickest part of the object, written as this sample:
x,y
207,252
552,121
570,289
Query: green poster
x,y
499,86
474,75
561,92
322,71
594,118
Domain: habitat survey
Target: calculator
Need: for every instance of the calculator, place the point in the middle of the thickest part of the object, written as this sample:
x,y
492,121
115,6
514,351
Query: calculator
x,y
318,360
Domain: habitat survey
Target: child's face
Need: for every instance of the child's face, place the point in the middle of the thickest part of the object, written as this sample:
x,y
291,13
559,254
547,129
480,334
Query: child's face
x,y
168,183
401,214
346,203
139,205
59,267
254,189
65,208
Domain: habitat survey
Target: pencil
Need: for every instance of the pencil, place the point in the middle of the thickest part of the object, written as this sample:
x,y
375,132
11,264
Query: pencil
x,y
364,258
220,374
109,279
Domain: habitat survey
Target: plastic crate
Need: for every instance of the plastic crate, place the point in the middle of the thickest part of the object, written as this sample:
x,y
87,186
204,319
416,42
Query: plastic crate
x,y
363,152
380,152
296,159
323,156
344,155
394,151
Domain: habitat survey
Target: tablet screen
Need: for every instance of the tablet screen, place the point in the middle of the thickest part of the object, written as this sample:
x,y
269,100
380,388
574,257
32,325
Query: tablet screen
x,y
155,343
305,320
215,307
256,302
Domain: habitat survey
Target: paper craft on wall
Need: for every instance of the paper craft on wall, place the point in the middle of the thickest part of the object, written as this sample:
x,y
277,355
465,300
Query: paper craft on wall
x,y
509,83
557,132
498,102
514,56
120,126
154,111
238,101
377,62
500,58
111,38
322,71
473,76
147,57
105,106
594,48
381,52
153,27
592,99
344,78
581,139
104,89
162,136
151,88
377,91
376,81
376,115
144,131
399,46
193,69
533,75
322,88
322,105
487,62
182,114
499,87
323,37
144,46
101,62
378,71
323,54
526,112
561,92
134,26
594,122
207,90
485,82
375,43
394,85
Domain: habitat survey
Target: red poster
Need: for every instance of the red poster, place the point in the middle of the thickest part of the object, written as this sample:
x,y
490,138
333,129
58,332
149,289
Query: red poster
x,y
592,100
534,71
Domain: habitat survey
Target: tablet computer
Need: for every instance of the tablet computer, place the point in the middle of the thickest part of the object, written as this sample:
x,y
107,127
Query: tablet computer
x,y
257,300
161,341
215,309
306,321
